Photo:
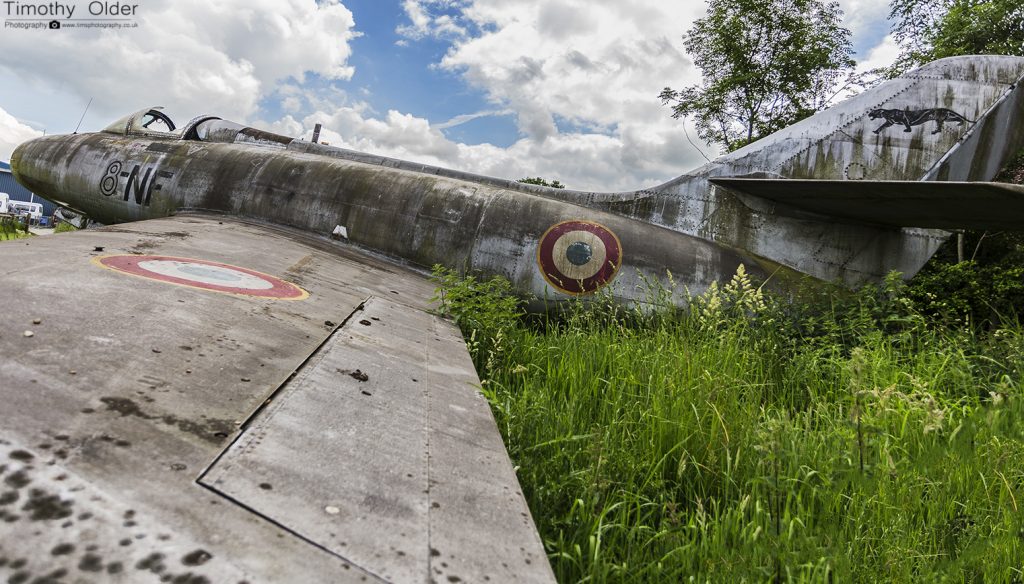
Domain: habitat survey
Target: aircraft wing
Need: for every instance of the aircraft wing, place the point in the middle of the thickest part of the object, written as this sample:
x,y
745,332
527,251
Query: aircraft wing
x,y
199,399
929,204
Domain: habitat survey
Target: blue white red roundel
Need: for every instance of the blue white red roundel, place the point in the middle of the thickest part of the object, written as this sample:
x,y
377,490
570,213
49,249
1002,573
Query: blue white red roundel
x,y
203,274
579,257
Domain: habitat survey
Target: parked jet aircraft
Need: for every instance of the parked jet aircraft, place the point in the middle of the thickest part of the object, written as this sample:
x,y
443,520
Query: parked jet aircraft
x,y
217,391
876,202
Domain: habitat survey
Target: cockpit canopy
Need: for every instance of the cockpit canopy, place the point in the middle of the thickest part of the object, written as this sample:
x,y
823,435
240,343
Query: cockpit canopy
x,y
146,121
153,123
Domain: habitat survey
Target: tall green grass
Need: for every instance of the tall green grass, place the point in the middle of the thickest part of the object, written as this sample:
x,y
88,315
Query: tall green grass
x,y
751,439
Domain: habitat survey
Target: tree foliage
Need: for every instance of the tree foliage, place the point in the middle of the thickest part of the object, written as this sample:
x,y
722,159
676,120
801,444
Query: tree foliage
x,y
542,182
765,65
932,29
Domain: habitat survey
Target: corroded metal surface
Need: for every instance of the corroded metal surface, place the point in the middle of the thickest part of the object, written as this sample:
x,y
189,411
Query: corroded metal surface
x,y
916,204
127,389
841,143
421,218
955,119
382,451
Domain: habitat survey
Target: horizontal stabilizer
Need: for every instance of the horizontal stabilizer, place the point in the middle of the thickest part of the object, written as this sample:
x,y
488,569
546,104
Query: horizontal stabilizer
x,y
928,204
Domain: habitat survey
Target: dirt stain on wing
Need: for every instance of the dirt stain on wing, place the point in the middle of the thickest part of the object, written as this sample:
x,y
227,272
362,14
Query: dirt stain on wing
x,y
210,430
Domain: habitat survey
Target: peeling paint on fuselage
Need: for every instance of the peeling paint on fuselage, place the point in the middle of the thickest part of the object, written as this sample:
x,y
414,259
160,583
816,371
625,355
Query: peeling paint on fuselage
x,y
698,232
420,218
828,145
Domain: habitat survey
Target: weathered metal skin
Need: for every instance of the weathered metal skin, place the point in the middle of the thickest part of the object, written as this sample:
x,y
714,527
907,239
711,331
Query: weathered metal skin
x,y
155,432
954,119
421,218
840,144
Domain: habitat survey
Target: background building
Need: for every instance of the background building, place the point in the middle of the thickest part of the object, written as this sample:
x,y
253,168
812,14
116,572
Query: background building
x,y
19,193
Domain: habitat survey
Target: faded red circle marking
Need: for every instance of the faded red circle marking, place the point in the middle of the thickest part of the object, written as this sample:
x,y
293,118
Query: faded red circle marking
x,y
203,274
579,257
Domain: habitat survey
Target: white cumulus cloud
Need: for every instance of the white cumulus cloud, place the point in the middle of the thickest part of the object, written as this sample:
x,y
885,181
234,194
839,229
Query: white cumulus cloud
x,y
883,55
12,133
861,16
193,55
581,79
427,18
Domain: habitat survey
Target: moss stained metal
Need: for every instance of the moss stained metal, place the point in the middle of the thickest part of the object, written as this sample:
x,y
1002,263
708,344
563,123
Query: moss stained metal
x,y
154,431
690,227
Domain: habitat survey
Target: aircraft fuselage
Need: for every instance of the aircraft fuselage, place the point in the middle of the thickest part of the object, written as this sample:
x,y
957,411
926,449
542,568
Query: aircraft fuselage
x,y
548,248
959,120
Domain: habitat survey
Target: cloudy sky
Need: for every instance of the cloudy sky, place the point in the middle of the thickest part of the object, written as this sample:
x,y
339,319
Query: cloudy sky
x,y
565,89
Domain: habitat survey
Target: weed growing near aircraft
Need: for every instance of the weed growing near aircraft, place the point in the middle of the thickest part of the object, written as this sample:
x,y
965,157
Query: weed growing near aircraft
x,y
752,438
11,229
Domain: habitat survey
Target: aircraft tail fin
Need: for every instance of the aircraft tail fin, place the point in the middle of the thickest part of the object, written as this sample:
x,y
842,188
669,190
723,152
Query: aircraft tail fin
x,y
955,119
926,204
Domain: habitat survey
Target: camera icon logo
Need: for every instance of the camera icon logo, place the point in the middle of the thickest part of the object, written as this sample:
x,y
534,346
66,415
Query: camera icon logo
x,y
54,25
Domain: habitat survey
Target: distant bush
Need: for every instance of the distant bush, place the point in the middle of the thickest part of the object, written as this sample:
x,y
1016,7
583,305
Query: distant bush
x,y
981,295
537,180
11,228
987,288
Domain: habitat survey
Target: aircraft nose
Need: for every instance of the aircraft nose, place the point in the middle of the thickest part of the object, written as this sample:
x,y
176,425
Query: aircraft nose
x,y
30,167
16,159
19,158
57,168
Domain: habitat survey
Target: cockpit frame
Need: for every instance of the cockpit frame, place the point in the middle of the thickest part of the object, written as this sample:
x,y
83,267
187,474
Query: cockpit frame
x,y
138,124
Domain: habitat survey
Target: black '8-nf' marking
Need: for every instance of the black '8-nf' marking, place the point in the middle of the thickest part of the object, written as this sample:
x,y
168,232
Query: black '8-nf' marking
x,y
139,186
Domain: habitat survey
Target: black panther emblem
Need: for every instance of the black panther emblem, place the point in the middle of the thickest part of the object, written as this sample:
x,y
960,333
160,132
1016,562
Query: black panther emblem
x,y
909,117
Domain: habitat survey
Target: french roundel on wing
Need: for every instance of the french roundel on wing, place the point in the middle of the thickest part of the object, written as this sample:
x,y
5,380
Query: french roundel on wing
x,y
204,275
579,257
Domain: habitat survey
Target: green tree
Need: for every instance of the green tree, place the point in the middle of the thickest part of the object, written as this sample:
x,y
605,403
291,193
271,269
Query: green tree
x,y
932,29
540,181
765,65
